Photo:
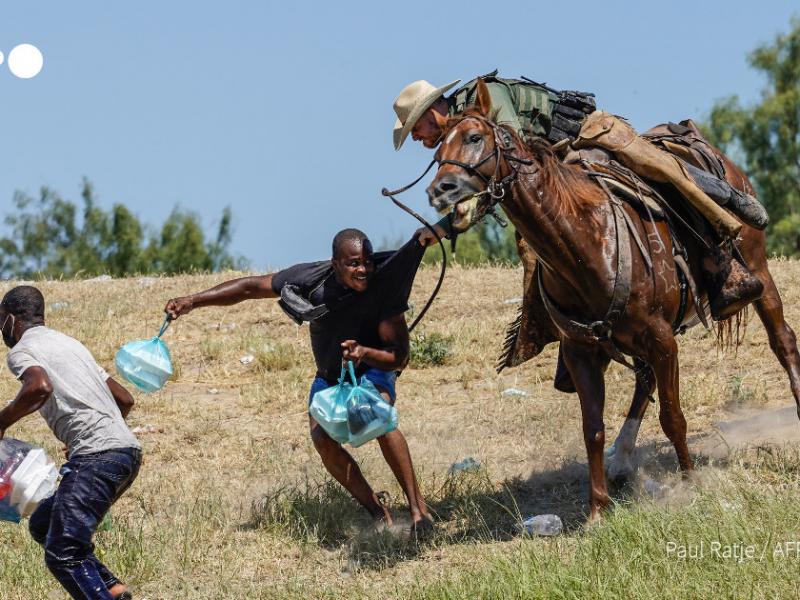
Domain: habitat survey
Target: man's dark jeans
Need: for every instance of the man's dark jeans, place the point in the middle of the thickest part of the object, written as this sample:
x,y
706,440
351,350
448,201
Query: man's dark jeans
x,y
65,523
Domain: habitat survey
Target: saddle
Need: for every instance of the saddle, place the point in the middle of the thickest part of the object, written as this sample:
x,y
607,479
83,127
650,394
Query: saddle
x,y
532,329
686,141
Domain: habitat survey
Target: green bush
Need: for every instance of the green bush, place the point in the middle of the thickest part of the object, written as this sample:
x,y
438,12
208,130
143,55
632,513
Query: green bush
x,y
430,349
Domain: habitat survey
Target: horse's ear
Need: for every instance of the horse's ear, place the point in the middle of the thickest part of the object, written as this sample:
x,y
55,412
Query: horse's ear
x,y
483,101
441,120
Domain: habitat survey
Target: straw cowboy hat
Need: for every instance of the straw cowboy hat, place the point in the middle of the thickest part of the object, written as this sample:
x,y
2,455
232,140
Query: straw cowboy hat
x,y
414,100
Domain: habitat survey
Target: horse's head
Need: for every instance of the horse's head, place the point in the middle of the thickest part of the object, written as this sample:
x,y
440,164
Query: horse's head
x,y
471,164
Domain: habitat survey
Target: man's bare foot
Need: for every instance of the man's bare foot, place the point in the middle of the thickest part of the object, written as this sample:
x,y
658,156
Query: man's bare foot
x,y
119,591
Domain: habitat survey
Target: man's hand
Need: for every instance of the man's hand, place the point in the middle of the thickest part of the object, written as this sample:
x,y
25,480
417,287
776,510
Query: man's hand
x,y
426,238
352,350
179,306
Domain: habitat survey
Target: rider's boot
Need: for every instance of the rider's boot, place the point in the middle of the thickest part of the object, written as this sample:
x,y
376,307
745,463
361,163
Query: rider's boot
x,y
730,285
748,209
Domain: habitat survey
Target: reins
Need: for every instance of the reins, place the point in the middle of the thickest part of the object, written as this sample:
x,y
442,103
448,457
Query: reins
x,y
419,218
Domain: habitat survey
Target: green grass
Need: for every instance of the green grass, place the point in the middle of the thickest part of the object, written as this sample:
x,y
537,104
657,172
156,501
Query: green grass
x,y
232,500
627,555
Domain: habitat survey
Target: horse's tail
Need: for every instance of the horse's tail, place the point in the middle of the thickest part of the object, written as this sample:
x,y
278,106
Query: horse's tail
x,y
730,332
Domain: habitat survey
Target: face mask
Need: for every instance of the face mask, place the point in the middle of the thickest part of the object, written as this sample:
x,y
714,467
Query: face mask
x,y
8,338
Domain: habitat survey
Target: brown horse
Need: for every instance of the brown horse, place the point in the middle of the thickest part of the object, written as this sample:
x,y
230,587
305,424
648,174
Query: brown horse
x,y
581,242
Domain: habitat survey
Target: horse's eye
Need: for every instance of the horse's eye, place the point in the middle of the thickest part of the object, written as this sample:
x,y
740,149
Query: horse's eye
x,y
475,138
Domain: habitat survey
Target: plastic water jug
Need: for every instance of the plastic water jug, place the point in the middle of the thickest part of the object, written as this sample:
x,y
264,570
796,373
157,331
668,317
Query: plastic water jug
x,y
146,363
27,476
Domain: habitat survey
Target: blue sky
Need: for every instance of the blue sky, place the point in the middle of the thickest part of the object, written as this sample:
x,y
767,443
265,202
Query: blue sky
x,y
284,111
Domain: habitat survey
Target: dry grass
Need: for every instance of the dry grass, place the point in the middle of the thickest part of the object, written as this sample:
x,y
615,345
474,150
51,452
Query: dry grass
x,y
232,499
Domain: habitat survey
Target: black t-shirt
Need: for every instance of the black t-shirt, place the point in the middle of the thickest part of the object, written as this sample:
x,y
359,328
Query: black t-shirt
x,y
353,315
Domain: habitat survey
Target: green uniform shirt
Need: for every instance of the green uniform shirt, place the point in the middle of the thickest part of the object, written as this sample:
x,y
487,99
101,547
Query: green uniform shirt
x,y
524,107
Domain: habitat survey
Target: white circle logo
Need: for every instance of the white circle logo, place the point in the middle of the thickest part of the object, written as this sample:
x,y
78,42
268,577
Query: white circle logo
x,y
25,61
1,58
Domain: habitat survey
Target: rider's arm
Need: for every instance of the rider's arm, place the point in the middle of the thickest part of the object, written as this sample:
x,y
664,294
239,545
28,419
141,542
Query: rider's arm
x,y
503,107
224,294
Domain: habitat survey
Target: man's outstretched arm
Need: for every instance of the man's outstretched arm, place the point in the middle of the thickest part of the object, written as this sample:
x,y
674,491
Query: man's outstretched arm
x,y
36,389
224,294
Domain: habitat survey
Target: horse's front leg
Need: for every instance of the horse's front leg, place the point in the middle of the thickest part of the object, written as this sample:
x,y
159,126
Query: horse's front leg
x,y
587,365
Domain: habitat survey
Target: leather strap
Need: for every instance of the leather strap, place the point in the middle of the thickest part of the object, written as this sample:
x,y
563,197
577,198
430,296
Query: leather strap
x,y
600,331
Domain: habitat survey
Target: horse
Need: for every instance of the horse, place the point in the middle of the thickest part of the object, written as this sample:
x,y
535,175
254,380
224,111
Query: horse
x,y
582,240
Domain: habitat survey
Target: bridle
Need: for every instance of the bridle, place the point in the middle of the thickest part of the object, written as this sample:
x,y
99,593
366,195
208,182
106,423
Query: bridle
x,y
495,189
503,148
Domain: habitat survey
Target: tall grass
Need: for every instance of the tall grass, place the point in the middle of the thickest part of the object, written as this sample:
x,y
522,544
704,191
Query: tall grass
x,y
729,538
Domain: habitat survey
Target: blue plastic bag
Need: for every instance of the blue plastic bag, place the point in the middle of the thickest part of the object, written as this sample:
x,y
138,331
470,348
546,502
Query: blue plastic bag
x,y
145,363
353,412
329,409
368,415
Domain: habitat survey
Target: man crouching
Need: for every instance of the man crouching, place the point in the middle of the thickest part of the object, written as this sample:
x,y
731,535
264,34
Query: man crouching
x,y
355,304
86,410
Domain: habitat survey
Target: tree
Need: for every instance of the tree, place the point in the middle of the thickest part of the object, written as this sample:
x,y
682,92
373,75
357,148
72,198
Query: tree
x,y
766,137
48,240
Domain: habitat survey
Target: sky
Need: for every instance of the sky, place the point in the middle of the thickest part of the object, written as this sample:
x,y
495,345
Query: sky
x,y
283,111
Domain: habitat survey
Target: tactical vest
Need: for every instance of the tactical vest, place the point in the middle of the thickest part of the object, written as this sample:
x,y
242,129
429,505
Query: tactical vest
x,y
541,111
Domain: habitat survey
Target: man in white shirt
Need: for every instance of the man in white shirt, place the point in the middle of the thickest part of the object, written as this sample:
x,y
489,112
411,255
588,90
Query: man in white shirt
x,y
86,410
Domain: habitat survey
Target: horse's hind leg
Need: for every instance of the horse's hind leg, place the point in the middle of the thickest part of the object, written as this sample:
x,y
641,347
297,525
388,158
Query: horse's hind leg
x,y
663,358
781,337
619,457
587,366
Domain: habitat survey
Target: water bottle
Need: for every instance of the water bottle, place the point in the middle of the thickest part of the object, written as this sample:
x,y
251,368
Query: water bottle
x,y
27,476
7,468
545,525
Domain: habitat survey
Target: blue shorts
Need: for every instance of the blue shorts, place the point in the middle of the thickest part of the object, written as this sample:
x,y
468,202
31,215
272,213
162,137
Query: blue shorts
x,y
383,380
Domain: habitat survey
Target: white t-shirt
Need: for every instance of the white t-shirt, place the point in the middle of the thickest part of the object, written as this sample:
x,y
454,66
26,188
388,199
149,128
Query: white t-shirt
x,y
81,410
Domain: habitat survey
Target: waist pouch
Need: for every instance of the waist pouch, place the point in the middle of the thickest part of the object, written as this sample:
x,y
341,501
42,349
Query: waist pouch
x,y
569,114
298,308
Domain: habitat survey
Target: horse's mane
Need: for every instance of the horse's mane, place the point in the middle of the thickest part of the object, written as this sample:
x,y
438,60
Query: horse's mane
x,y
567,185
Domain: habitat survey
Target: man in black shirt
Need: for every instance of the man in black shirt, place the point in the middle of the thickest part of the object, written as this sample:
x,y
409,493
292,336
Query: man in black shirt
x,y
355,304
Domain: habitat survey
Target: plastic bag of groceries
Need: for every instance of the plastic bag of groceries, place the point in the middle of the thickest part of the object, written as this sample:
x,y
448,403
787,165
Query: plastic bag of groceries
x,y
146,363
27,476
353,412
329,409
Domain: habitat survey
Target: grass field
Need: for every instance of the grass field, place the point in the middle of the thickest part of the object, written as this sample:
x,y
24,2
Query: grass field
x,y
233,502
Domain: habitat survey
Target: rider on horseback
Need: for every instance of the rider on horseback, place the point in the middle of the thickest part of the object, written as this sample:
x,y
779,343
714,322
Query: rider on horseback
x,y
569,118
